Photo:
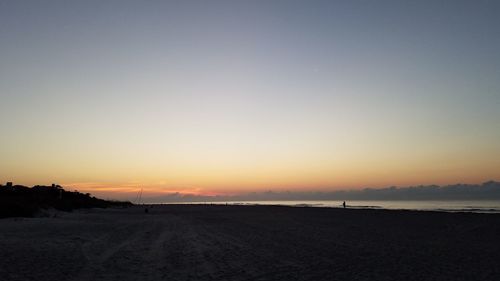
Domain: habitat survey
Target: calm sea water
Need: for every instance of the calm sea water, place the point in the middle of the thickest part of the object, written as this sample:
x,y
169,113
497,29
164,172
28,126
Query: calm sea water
x,y
482,206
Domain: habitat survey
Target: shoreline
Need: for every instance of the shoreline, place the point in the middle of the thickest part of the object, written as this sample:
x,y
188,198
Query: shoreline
x,y
298,204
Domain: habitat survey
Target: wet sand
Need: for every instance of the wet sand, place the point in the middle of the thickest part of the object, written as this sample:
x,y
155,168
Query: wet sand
x,y
203,242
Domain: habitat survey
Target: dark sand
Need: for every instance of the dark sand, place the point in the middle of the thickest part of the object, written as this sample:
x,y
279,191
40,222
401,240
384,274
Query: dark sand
x,y
198,242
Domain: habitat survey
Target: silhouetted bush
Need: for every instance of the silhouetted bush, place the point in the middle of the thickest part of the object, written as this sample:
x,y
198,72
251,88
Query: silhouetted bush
x,y
22,201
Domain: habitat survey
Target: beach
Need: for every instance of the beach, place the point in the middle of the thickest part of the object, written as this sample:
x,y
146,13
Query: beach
x,y
218,242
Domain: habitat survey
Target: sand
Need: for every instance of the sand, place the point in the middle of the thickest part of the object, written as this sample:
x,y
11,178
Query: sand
x,y
203,242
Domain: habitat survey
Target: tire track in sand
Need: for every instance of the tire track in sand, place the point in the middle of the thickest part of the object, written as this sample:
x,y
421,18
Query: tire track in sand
x,y
97,252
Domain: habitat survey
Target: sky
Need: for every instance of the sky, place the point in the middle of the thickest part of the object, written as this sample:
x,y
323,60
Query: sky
x,y
225,97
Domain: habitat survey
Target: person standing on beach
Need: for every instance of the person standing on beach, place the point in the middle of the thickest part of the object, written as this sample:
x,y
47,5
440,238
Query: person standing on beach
x,y
343,204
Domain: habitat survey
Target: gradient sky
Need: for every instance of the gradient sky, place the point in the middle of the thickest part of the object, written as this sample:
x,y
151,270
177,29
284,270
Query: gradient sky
x,y
233,96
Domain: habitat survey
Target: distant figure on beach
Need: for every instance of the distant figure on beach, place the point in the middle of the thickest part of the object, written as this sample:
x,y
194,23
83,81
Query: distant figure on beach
x,y
146,210
343,204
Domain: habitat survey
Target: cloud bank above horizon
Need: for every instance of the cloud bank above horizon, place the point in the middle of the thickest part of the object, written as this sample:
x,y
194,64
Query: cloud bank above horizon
x,y
486,191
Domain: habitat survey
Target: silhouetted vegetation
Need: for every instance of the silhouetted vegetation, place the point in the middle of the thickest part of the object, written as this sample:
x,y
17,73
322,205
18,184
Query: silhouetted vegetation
x,y
22,201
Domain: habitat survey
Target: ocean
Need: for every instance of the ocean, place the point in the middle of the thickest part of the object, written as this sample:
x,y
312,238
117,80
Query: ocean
x,y
476,206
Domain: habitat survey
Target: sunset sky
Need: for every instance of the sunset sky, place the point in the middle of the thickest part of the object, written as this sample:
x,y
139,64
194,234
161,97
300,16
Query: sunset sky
x,y
225,97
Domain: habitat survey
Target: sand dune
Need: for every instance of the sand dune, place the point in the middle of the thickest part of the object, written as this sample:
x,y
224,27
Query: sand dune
x,y
187,242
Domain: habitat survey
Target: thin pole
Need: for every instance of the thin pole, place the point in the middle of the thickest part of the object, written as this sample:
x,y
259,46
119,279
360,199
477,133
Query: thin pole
x,y
140,197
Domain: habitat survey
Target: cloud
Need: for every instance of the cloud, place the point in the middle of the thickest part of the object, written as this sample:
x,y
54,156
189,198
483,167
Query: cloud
x,y
487,191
